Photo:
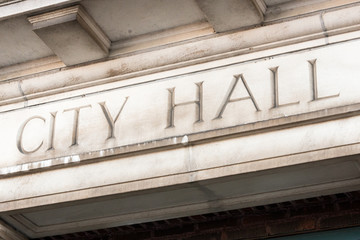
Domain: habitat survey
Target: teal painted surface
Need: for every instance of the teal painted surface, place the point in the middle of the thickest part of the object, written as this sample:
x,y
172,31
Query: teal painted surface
x,y
341,234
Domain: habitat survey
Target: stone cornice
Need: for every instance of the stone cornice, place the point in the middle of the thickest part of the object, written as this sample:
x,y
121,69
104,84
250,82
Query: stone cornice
x,y
321,29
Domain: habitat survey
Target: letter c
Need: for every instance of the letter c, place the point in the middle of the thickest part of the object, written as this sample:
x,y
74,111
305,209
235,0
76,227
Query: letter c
x,y
20,133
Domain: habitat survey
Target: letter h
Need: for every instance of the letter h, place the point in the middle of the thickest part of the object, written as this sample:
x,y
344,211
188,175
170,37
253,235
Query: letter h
x,y
172,105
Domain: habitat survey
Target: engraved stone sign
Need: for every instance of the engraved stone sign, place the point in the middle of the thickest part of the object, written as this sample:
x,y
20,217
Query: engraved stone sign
x,y
175,109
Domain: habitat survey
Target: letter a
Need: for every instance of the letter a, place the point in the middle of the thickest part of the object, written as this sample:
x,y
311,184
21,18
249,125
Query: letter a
x,y
230,92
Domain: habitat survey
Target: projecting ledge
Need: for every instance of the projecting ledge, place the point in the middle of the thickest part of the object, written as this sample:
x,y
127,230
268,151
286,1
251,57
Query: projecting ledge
x,y
71,34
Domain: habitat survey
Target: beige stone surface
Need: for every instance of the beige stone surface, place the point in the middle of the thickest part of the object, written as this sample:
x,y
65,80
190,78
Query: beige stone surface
x,y
188,116
145,153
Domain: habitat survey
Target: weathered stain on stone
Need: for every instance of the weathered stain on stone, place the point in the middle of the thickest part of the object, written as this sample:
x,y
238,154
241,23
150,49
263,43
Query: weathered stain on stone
x,y
73,81
192,54
113,72
118,71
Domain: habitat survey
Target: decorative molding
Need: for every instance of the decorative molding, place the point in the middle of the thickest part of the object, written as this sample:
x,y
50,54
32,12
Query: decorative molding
x,y
31,67
261,6
72,35
69,14
87,22
338,29
161,38
27,7
304,7
7,2
8,233
229,15
201,50
53,18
